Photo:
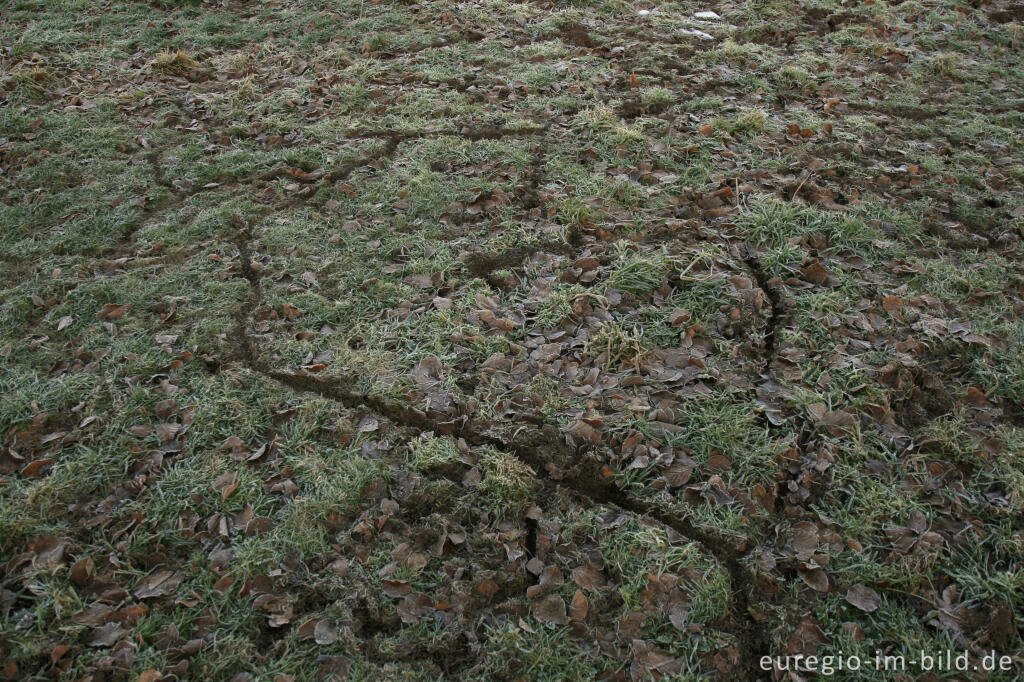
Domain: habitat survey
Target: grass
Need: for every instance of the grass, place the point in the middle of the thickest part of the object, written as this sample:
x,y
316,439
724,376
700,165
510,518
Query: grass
x,y
756,286
177,63
507,482
638,273
615,345
746,122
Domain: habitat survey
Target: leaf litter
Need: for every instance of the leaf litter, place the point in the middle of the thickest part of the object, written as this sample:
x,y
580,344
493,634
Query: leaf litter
x,y
660,345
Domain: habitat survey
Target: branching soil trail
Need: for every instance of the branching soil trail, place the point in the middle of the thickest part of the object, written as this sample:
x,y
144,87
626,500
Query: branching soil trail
x,y
540,341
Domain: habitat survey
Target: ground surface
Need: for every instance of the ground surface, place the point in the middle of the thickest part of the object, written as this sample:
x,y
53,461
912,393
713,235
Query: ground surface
x,y
508,341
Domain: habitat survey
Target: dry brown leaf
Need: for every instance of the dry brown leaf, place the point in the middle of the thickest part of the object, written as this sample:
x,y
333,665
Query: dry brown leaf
x,y
487,588
58,652
83,572
226,484
580,607
414,606
718,462
165,409
815,578
107,635
113,311
814,272
49,551
863,597
333,667
492,320
259,525
804,540
585,431
396,588
37,469
648,662
159,583
325,633
589,578
550,610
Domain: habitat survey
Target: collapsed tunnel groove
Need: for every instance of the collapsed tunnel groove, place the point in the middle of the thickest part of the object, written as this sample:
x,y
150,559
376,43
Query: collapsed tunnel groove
x,y
581,478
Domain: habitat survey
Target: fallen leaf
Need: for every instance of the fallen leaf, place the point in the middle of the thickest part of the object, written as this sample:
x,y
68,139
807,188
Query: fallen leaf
x,y
58,652
863,597
815,272
492,320
550,609
165,408
158,584
113,311
579,607
487,588
107,635
93,615
226,484
49,551
325,633
804,540
589,578
419,281
649,662
718,462
37,469
333,667
678,615
234,444
396,588
83,572
585,431
279,608
414,606
815,578
679,317
259,525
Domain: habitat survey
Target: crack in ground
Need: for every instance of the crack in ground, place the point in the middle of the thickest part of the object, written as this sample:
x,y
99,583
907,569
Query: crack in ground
x,y
471,35
483,265
159,175
581,477
393,138
150,213
565,468
777,311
